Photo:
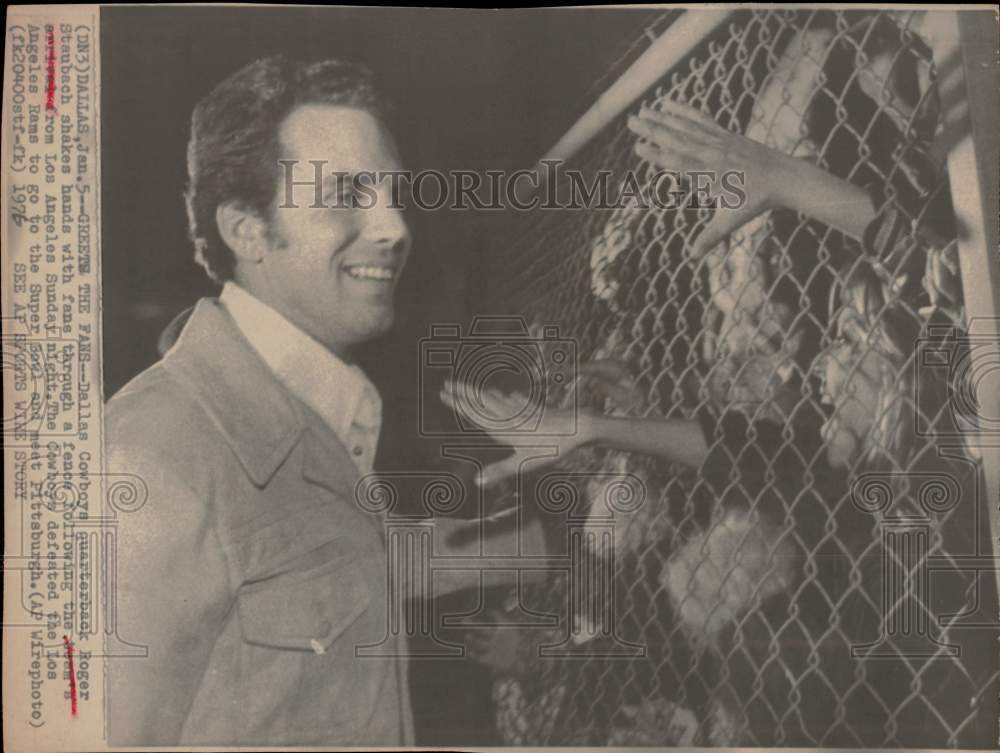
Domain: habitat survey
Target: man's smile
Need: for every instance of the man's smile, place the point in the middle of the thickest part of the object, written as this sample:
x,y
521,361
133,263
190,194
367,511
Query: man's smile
x,y
372,272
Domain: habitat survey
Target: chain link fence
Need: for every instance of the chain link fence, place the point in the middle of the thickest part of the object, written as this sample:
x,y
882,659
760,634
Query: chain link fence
x,y
809,583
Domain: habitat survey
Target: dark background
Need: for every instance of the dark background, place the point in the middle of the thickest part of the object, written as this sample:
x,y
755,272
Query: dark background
x,y
475,90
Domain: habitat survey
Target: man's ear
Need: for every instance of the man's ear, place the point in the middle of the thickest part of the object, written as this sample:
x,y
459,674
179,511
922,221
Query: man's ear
x,y
242,230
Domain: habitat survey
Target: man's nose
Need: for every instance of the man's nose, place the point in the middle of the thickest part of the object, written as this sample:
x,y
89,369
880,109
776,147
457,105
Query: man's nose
x,y
386,226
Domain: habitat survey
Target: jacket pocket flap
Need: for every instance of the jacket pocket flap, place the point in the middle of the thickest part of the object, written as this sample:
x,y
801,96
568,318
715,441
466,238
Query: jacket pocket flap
x,y
303,609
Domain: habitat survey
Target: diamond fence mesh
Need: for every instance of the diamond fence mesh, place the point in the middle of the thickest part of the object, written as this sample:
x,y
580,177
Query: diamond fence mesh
x,y
805,585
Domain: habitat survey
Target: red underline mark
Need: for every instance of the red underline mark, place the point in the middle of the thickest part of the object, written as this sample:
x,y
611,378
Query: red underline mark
x,y
50,70
72,675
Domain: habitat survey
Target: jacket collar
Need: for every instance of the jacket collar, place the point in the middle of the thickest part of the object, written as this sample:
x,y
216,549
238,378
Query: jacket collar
x,y
258,418
339,393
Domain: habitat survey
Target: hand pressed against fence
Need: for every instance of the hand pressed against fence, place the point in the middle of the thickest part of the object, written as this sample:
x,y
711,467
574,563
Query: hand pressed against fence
x,y
681,138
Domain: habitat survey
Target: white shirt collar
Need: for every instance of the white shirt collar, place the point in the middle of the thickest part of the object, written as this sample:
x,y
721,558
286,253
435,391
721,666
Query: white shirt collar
x,y
339,393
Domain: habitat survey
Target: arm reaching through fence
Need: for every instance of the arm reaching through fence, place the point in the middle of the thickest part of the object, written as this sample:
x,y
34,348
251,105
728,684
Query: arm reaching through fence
x,y
682,138
675,440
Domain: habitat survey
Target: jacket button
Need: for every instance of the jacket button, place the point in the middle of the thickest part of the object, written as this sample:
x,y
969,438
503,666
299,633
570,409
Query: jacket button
x,y
358,450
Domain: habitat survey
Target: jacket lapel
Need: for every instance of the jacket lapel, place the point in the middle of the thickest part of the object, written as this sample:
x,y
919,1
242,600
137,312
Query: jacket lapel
x,y
257,417
260,420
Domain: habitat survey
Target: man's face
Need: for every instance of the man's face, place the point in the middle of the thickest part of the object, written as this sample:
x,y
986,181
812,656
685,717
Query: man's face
x,y
333,271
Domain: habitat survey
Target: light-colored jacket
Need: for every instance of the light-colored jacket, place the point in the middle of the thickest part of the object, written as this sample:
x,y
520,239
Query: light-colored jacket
x,y
249,573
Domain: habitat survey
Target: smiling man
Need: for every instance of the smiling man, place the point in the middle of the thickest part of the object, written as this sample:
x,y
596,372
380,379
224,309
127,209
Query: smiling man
x,y
250,573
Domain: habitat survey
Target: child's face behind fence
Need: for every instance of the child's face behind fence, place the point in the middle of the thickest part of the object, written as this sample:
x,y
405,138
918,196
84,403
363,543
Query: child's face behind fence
x,y
852,384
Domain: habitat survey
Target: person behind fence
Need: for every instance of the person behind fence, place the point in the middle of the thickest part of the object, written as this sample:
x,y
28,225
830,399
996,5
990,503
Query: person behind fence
x,y
251,575
869,428
870,361
899,472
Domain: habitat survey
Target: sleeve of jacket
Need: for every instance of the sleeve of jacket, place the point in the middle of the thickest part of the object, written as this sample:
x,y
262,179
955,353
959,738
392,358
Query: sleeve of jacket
x,y
173,588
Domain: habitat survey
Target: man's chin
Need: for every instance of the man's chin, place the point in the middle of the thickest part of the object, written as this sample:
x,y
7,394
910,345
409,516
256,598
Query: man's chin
x,y
375,323
355,328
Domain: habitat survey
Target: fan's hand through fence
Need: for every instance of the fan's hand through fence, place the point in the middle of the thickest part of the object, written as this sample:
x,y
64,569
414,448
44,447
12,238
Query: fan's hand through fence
x,y
683,139
489,408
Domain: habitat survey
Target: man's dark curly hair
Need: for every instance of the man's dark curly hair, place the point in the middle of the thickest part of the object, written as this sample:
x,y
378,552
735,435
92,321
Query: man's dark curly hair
x,y
233,151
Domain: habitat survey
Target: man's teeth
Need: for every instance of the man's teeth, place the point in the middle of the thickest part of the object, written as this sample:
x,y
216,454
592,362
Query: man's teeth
x,y
371,273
